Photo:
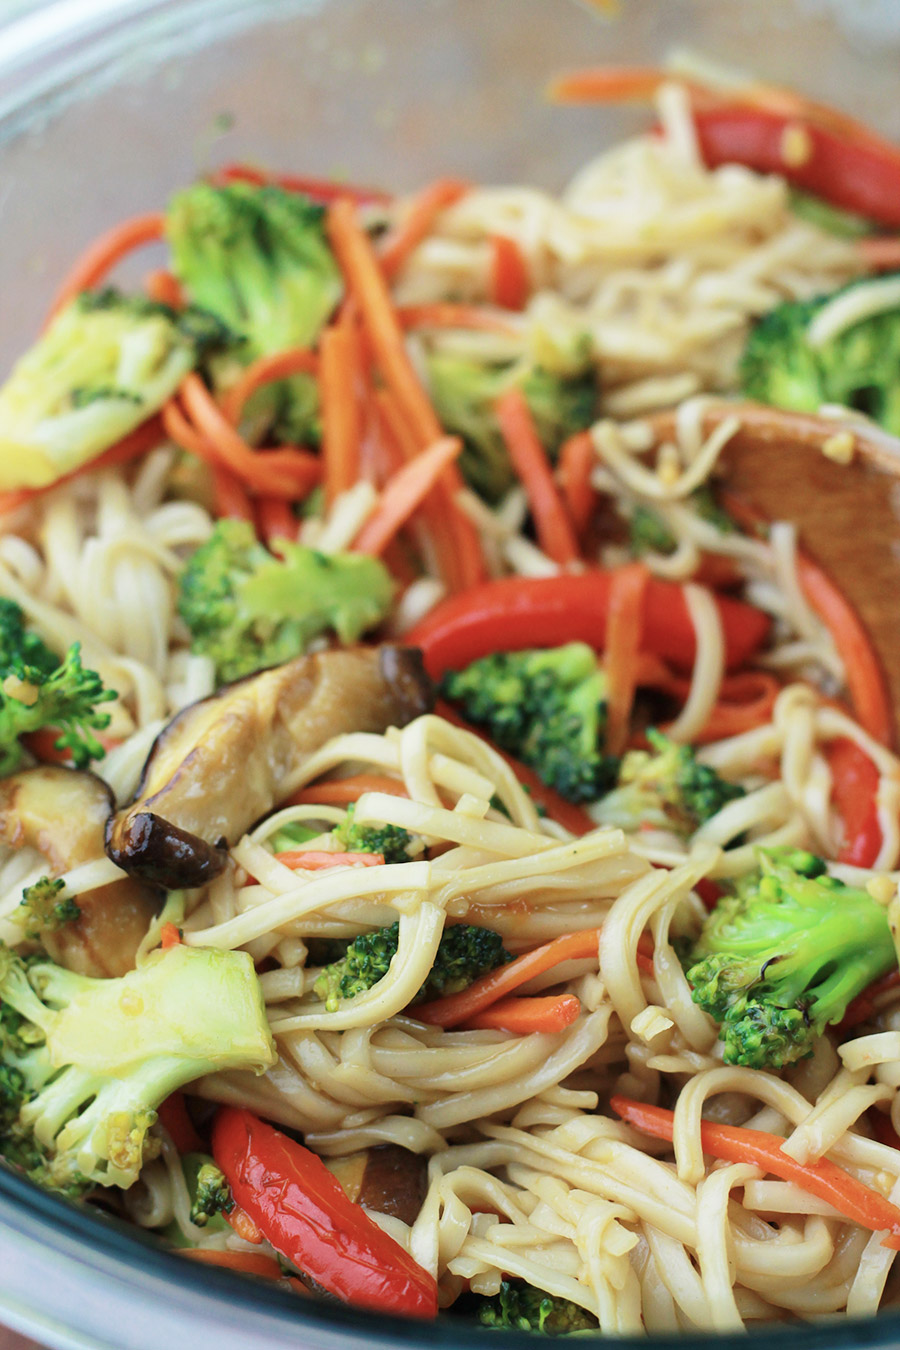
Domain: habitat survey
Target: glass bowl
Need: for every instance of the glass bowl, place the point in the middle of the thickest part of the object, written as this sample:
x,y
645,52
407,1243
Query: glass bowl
x,y
105,107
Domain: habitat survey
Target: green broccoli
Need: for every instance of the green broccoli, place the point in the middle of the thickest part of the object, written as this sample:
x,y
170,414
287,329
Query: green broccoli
x,y
547,707
248,609
464,953
465,392
106,363
858,368
521,1307
831,219
211,1194
391,841
84,1063
38,690
666,788
649,533
257,257
780,959
43,910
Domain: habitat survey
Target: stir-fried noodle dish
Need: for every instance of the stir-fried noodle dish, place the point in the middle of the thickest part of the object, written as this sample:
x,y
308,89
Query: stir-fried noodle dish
x,y
449,836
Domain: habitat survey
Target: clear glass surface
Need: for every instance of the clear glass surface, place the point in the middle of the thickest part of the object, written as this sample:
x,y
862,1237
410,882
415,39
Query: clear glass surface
x,y
106,106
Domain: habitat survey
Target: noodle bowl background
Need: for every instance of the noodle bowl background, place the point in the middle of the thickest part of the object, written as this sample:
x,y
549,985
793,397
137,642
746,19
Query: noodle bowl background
x,y
389,91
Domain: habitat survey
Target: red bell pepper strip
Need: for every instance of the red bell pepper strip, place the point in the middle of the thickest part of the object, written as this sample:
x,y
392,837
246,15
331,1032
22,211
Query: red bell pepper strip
x,y
319,189
864,1007
861,175
854,782
173,1116
514,613
298,1205
734,1143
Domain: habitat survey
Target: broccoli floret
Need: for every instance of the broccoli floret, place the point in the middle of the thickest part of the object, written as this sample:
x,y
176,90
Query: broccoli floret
x,y
38,690
211,1196
258,258
86,1062
547,707
665,788
649,533
858,368
465,393
524,1308
44,910
391,841
248,609
780,959
106,363
464,953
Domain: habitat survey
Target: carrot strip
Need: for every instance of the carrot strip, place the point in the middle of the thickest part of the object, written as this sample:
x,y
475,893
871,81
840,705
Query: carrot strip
x,y
526,1016
314,860
746,701
509,279
164,288
247,1263
341,422
448,314
864,1006
462,559
230,499
880,252
342,791
865,678
488,989
281,473
609,84
244,1226
554,528
276,366
175,1118
404,493
734,1143
319,189
624,625
576,462
105,252
275,520
418,223
169,936
854,787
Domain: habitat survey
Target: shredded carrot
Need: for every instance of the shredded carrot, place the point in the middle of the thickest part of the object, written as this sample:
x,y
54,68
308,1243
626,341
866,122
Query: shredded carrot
x,y
404,493
880,252
165,289
509,279
341,424
734,1143
461,559
624,625
525,1016
265,369
865,678
315,860
342,791
244,1226
555,533
42,744
864,1007
169,936
105,252
746,701
247,1263
136,443
577,459
448,314
283,473
319,189
418,223
496,984
230,499
609,84
275,520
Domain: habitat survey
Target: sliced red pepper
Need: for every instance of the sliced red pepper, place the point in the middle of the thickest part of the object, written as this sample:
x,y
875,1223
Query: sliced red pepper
x,y
319,189
858,175
298,1205
514,613
174,1117
854,783
510,282
863,1007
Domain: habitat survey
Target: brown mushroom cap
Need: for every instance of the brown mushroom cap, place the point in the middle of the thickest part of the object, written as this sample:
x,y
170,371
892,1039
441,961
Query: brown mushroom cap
x,y
220,765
